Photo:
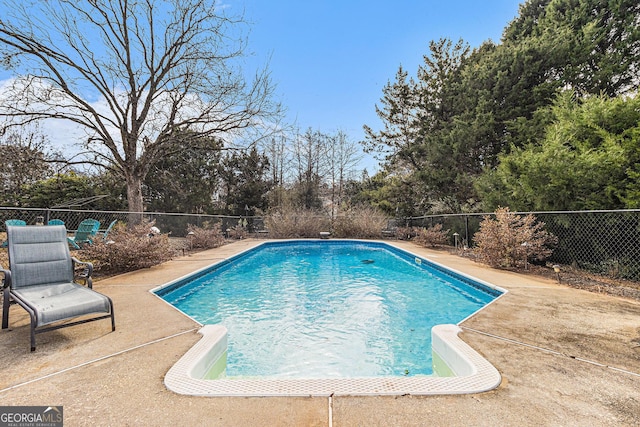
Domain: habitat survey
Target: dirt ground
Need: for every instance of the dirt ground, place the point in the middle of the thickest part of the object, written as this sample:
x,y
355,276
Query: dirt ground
x,y
589,282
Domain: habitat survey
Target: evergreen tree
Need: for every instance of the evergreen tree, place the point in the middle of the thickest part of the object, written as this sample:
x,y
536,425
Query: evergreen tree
x,y
245,182
465,109
186,181
588,160
61,188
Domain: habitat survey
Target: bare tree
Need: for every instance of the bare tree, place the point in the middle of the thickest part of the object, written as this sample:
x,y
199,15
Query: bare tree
x,y
278,155
276,152
25,161
309,153
132,73
343,157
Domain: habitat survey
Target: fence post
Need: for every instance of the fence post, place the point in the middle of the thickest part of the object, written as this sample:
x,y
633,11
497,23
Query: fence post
x,y
466,230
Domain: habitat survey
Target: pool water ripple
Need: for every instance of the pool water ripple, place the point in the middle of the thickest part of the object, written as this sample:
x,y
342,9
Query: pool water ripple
x,y
324,310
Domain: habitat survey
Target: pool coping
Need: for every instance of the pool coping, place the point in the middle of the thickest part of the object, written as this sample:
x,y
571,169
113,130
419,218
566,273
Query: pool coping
x,y
478,375
472,372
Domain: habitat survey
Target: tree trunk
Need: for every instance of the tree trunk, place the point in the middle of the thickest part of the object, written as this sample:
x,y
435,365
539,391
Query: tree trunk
x,y
134,198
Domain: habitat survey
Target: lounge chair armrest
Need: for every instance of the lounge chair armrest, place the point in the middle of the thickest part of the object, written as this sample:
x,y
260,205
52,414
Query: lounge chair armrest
x,y
6,280
83,270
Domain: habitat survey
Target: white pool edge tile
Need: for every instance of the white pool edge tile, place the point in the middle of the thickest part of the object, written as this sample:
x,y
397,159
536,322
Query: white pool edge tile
x,y
474,373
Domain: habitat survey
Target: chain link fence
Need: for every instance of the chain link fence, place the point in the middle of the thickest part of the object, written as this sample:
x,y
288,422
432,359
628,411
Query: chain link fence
x,y
603,242
175,224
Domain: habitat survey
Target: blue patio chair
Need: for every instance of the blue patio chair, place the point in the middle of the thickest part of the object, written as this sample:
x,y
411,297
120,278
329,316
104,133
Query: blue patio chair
x,y
41,279
14,222
109,228
86,230
55,222
96,225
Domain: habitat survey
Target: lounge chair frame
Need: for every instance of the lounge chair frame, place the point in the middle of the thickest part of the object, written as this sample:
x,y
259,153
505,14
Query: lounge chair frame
x,y
80,271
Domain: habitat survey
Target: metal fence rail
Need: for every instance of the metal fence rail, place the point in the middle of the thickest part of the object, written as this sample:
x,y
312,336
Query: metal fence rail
x,y
603,242
174,223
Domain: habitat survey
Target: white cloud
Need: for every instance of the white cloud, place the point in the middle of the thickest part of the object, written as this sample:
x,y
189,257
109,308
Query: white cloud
x,y
63,135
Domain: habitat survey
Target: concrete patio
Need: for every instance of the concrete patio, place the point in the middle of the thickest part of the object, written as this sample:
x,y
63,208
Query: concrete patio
x,y
567,357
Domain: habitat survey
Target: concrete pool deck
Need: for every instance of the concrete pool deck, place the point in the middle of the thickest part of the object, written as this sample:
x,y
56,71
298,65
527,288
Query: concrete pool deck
x,y
566,356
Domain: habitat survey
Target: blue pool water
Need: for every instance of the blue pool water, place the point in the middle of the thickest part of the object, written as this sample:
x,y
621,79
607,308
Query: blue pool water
x,y
326,309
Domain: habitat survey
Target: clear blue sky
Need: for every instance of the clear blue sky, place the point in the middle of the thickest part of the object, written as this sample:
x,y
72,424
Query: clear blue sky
x,y
331,58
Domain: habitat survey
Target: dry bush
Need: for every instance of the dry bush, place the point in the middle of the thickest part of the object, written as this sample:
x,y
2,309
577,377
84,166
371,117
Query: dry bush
x,y
4,253
206,237
406,233
296,223
510,239
238,232
127,249
432,236
360,223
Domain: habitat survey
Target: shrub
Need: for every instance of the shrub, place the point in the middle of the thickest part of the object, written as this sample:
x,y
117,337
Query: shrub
x,y
510,239
206,237
296,223
238,232
4,254
128,249
360,223
406,233
432,236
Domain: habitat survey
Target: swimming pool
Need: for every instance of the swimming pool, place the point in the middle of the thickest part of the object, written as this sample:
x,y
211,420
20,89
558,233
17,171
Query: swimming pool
x,y
343,309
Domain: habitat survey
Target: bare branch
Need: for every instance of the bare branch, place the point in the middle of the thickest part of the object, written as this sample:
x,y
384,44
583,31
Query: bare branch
x,y
131,73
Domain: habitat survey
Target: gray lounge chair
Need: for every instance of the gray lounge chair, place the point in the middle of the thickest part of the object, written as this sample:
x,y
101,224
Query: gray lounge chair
x,y
41,280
